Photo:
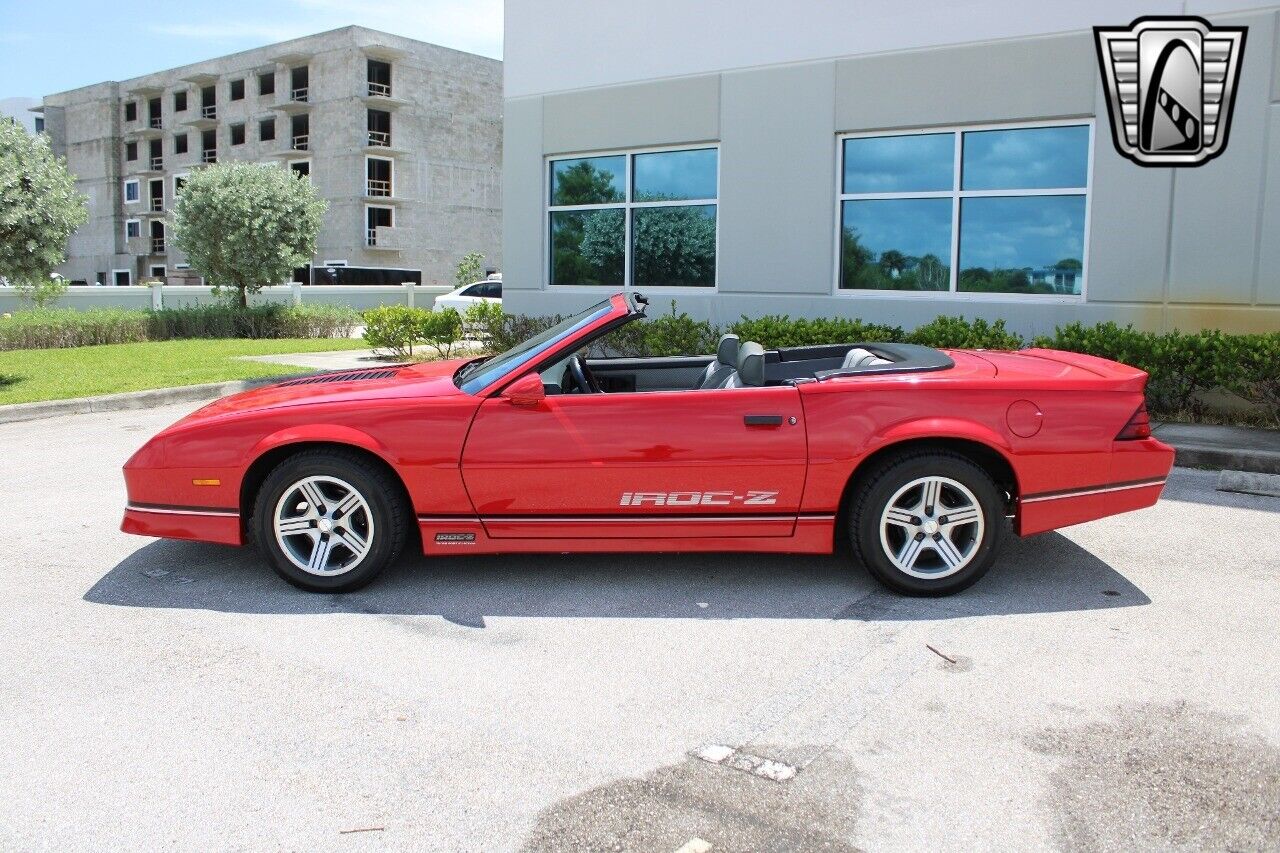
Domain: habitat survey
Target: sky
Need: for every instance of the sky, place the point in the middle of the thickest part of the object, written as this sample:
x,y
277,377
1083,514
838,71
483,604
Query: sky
x,y
52,46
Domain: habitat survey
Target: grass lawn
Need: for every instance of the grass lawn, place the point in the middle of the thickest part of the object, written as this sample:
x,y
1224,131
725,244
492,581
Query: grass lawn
x,y
58,374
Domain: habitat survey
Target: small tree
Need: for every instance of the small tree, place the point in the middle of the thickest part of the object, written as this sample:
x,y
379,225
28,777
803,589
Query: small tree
x,y
42,292
468,269
440,330
39,207
244,226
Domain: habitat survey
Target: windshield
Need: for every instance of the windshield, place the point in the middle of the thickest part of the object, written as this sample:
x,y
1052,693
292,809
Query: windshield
x,y
480,374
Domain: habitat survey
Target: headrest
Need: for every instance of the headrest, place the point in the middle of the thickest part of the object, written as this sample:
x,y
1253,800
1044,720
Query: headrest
x,y
859,357
751,364
727,350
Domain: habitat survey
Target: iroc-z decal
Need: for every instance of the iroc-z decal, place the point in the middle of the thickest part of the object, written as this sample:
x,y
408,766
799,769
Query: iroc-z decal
x,y
455,539
751,497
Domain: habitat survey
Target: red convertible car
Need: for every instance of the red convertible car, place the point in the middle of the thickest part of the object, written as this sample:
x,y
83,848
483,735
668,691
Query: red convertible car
x,y
912,456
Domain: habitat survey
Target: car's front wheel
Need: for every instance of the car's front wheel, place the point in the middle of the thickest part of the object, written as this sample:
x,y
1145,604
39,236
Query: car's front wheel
x,y
927,523
330,520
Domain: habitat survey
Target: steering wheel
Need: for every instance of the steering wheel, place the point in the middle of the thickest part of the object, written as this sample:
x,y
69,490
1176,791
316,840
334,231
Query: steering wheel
x,y
583,378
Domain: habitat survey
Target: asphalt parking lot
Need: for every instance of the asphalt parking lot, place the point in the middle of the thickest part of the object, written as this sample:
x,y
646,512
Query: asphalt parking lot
x,y
1110,687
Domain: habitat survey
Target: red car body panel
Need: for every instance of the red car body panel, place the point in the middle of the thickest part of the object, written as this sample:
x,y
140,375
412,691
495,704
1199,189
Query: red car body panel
x,y
659,470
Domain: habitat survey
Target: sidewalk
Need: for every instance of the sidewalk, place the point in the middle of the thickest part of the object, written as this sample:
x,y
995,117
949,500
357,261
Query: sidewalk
x,y
1223,447
339,360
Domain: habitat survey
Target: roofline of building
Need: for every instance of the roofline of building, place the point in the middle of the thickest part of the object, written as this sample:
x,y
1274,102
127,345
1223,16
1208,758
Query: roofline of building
x,y
1246,7
182,69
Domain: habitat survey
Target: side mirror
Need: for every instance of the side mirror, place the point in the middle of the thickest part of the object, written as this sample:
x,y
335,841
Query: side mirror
x,y
526,392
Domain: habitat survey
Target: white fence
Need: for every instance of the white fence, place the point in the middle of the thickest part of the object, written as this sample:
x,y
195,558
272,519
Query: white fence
x,y
176,296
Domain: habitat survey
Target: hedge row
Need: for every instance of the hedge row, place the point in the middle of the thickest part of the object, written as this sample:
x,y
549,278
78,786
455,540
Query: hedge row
x,y
1184,367
56,328
397,329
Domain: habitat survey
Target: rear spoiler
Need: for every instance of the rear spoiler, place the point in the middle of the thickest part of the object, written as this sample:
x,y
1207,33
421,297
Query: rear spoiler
x,y
1123,377
906,358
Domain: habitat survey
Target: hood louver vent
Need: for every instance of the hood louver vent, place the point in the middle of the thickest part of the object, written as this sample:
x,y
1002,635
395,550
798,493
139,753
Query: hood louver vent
x,y
342,376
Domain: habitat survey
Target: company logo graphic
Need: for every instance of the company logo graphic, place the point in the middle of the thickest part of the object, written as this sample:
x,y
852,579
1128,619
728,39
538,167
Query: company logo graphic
x,y
1170,84
751,498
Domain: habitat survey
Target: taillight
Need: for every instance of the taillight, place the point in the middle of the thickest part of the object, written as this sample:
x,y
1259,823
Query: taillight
x,y
1139,426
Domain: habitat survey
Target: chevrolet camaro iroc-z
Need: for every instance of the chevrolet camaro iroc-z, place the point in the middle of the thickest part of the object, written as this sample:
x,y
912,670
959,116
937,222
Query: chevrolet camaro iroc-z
x,y
915,460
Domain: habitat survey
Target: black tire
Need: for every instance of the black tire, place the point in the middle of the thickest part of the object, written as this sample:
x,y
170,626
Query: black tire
x,y
896,473
387,516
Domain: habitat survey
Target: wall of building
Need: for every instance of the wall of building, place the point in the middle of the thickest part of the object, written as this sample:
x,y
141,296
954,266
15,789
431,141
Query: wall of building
x,y
180,296
564,45
19,109
1165,249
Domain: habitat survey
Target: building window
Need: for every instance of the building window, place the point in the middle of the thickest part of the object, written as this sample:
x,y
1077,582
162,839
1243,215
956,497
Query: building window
x,y
379,78
267,83
157,270
155,195
237,134
132,191
180,143
378,177
237,90
131,151
639,219
39,124
379,128
378,223
300,84
301,167
132,228
267,129
985,210
131,111
180,101
179,181
300,132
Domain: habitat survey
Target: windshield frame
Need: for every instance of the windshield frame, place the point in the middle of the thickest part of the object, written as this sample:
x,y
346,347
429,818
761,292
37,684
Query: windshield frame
x,y
493,373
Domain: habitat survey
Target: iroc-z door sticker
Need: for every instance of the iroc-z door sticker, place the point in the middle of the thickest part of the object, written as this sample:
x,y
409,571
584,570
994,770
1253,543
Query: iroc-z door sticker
x,y
752,497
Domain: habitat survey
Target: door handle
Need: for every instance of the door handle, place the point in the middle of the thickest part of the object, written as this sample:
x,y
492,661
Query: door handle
x,y
762,420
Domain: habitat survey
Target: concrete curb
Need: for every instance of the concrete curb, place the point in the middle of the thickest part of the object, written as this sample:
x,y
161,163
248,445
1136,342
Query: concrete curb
x,y
1236,459
133,399
1249,483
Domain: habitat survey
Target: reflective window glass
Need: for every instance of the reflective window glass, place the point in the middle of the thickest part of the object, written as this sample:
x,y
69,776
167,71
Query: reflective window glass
x,y
896,244
1022,244
885,164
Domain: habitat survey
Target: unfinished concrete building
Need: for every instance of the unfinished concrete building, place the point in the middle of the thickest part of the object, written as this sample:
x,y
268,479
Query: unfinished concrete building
x,y
403,138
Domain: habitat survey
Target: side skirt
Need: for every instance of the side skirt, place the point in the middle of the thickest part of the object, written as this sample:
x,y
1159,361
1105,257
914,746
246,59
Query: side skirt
x,y
466,535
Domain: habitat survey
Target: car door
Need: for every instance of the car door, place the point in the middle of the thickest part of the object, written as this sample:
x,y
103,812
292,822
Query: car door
x,y
666,464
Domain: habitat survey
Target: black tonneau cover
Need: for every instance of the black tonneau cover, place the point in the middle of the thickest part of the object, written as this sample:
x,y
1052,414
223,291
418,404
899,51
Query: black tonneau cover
x,y
826,361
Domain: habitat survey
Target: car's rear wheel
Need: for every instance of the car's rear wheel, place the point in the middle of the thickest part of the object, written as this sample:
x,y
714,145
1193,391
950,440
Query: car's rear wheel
x,y
927,523
330,520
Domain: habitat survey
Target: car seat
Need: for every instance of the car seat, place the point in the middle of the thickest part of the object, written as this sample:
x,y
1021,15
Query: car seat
x,y
718,372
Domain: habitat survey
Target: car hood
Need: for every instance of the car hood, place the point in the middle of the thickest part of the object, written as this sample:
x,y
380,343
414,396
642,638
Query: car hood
x,y
380,382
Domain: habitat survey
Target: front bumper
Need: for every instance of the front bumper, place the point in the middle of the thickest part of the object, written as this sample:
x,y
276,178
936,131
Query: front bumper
x,y
202,524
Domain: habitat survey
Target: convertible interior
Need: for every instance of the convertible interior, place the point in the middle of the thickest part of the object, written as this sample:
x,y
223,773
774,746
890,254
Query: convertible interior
x,y
736,364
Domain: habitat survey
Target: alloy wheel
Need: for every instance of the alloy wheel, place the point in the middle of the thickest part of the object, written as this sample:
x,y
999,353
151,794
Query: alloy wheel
x,y
931,528
323,525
